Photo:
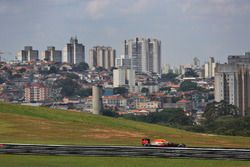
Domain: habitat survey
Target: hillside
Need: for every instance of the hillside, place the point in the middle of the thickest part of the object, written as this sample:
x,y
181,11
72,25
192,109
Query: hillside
x,y
25,124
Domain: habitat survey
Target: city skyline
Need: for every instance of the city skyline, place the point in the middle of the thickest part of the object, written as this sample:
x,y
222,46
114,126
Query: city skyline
x,y
187,28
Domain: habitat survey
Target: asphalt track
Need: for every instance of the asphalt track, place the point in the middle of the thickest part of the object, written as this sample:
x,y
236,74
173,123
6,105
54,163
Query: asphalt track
x,y
126,151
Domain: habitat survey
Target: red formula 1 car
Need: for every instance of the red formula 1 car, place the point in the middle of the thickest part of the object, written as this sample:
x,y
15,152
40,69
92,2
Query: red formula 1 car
x,y
160,143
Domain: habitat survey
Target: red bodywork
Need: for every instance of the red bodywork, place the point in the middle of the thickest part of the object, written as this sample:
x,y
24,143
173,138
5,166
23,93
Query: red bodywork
x,y
145,142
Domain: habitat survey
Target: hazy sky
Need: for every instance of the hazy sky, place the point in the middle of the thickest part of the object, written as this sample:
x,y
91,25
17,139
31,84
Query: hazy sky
x,y
187,28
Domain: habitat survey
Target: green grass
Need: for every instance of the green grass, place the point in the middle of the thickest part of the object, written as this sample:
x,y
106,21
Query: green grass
x,y
59,161
25,124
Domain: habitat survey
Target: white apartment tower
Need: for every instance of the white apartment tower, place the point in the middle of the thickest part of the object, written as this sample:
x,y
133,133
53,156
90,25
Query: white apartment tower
x,y
196,62
119,76
123,62
123,77
239,59
145,54
101,56
51,54
73,52
28,54
210,68
232,84
166,69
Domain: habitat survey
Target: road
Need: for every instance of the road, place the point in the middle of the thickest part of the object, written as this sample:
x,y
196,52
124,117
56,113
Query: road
x,y
126,151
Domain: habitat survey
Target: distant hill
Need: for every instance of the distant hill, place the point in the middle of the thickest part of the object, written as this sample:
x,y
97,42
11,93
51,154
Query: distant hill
x,y
25,124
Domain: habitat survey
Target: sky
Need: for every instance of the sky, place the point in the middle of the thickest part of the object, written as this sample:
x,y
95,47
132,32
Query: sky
x,y
186,28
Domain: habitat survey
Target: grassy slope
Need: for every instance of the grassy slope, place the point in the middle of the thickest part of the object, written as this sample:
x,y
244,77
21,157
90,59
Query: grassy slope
x,y
58,161
24,124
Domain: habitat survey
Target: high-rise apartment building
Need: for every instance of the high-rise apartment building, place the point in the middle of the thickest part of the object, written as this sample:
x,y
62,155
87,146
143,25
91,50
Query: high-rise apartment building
x,y
51,54
123,62
196,62
101,56
166,69
36,92
210,68
232,84
28,54
123,77
73,52
239,59
119,76
145,54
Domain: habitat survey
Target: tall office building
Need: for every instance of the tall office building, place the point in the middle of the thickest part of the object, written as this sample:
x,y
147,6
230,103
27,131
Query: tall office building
x,y
210,68
232,84
101,56
28,54
51,54
239,59
145,54
73,52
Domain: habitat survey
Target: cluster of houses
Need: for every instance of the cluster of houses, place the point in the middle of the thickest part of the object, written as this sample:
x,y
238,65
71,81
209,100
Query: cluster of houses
x,y
33,83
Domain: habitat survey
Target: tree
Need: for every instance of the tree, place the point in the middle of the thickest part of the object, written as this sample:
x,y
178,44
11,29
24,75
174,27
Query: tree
x,y
113,68
72,76
64,69
99,69
53,70
172,117
217,109
81,67
228,125
191,73
167,89
8,71
168,77
223,118
188,85
120,90
109,113
17,76
145,90
22,70
85,92
46,59
2,80
69,87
